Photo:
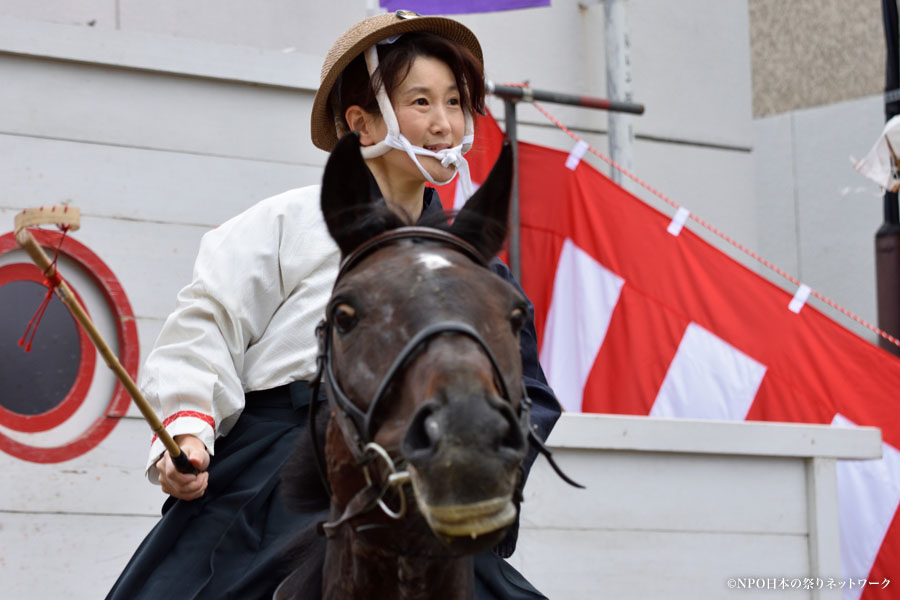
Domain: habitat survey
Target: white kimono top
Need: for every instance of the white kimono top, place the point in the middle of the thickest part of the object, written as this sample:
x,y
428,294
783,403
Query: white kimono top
x,y
266,271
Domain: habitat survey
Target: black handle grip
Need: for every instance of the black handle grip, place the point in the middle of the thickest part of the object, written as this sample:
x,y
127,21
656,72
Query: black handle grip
x,y
184,465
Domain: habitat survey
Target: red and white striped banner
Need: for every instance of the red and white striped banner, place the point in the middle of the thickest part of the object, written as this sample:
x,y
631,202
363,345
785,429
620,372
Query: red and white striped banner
x,y
639,316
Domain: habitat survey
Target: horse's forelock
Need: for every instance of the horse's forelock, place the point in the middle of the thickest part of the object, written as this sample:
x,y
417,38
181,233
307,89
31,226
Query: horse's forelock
x,y
379,218
366,225
473,228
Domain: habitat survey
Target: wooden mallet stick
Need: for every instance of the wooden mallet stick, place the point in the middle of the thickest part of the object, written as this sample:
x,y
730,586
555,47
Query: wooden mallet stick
x,y
69,216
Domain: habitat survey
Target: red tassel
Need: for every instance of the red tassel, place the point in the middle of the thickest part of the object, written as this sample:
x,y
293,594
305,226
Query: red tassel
x,y
36,319
51,280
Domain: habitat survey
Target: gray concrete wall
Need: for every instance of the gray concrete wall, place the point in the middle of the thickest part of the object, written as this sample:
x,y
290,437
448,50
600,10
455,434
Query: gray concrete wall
x,y
818,76
817,216
814,52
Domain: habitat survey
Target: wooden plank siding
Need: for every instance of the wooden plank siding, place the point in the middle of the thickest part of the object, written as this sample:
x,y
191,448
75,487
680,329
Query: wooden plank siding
x,y
674,508
157,140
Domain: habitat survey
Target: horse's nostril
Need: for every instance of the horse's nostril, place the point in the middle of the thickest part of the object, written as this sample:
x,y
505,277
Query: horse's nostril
x,y
423,431
512,437
510,434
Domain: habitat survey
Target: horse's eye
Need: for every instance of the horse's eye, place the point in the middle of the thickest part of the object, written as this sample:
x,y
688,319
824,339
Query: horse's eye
x,y
344,317
517,319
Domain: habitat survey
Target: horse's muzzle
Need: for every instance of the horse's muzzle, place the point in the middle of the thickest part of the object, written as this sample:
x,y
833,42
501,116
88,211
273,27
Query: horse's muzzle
x,y
464,448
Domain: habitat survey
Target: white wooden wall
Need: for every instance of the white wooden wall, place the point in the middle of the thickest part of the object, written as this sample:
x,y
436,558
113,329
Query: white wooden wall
x,y
157,140
672,509
675,508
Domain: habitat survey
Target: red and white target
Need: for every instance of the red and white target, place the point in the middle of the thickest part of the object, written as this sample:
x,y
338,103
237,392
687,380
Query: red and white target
x,y
60,400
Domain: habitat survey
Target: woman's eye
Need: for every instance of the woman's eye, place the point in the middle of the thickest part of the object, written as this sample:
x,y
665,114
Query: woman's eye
x,y
420,102
454,102
517,319
344,318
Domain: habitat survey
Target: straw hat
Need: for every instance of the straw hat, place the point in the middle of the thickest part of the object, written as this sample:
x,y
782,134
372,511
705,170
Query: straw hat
x,y
354,42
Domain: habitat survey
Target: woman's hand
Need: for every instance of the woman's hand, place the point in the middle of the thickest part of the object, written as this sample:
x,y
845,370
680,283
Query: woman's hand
x,y
184,485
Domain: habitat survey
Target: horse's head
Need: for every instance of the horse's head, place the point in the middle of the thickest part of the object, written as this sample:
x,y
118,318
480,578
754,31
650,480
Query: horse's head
x,y
421,356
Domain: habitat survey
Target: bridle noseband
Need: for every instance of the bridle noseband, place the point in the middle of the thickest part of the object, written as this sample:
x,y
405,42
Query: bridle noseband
x,y
358,426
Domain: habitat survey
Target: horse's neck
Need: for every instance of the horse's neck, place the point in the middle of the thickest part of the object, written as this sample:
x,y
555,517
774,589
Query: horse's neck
x,y
421,578
360,570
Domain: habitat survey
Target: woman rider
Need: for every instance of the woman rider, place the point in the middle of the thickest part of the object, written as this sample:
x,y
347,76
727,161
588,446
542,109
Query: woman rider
x,y
228,372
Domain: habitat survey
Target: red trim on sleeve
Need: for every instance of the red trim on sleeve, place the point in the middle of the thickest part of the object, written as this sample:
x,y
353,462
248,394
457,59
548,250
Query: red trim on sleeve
x,y
188,413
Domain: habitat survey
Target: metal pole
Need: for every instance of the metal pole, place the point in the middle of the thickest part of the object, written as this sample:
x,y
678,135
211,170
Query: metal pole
x,y
618,86
529,94
887,238
891,89
515,257
621,133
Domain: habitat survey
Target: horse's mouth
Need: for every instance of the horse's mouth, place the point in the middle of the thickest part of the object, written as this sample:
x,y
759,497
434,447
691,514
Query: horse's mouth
x,y
469,520
465,520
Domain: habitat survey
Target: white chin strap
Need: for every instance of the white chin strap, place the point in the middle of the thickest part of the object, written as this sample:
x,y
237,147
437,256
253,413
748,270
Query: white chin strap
x,y
449,157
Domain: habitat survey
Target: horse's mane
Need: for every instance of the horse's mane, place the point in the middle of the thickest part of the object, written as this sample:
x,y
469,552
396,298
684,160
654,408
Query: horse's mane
x,y
301,486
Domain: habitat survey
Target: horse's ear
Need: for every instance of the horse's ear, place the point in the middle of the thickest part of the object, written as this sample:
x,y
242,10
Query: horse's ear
x,y
346,197
483,221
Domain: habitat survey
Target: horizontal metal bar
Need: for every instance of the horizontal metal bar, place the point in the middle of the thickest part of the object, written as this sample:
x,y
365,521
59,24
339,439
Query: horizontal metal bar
x,y
528,94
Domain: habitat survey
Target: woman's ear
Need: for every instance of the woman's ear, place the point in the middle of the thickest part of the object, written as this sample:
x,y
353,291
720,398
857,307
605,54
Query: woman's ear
x,y
363,123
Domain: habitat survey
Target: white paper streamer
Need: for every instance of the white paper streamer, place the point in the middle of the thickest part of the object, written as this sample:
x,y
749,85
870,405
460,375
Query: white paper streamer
x,y
576,155
800,298
678,221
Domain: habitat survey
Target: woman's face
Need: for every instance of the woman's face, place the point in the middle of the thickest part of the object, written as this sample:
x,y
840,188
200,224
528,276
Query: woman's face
x,y
428,109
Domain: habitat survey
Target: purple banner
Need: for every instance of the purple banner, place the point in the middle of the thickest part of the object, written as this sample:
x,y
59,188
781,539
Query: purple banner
x,y
457,7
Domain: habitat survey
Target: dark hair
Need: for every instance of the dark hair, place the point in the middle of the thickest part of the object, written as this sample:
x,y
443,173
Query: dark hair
x,y
394,62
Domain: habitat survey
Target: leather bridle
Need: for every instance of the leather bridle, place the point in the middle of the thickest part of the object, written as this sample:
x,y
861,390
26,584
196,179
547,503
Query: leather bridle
x,y
356,424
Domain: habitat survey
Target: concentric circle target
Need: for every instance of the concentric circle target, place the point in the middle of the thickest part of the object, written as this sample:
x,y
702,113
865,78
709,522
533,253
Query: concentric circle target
x,y
59,401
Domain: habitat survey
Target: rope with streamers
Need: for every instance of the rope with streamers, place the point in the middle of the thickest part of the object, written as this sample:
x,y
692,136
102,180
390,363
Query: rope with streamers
x,y
878,331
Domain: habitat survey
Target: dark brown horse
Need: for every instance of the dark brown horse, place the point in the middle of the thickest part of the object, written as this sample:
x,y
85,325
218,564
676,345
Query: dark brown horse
x,y
428,423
